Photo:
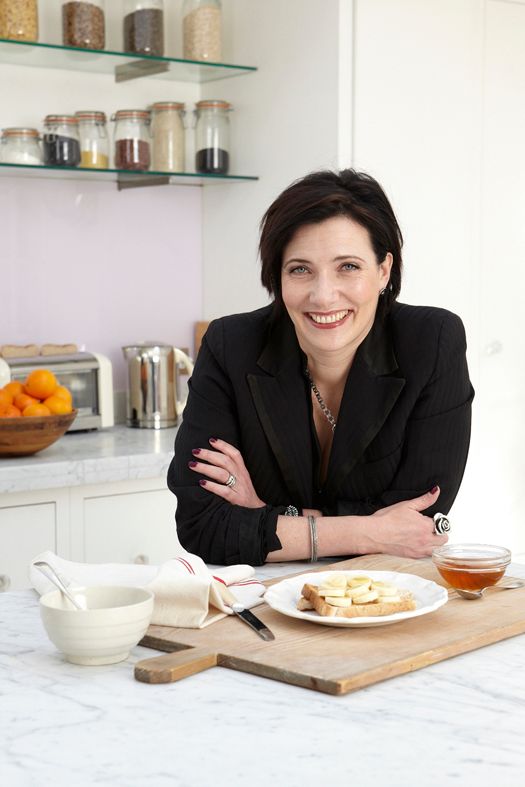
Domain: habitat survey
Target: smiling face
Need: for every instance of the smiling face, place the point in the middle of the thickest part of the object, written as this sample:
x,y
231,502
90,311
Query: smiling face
x,y
331,283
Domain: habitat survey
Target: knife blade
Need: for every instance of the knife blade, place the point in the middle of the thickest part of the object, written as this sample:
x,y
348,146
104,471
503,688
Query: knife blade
x,y
244,614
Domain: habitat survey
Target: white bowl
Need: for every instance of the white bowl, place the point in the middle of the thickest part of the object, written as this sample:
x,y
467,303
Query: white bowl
x,y
115,620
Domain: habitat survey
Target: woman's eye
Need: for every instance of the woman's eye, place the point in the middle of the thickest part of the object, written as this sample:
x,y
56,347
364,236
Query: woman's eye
x,y
298,270
350,266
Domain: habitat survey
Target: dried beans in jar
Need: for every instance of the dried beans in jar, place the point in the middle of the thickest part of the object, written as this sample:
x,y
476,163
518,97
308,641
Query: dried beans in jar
x,y
132,139
202,30
60,141
83,24
19,20
144,27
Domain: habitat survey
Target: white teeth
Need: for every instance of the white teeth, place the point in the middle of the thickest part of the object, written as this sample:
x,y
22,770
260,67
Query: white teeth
x,y
323,319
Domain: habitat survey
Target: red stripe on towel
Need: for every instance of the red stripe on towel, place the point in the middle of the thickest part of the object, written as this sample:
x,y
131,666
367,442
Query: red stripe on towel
x,y
219,580
186,564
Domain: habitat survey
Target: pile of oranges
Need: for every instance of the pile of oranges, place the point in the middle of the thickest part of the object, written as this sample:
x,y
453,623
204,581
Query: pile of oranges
x,y
40,394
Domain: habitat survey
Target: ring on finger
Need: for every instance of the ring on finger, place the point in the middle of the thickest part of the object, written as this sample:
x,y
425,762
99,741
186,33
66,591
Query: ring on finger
x,y
441,524
231,481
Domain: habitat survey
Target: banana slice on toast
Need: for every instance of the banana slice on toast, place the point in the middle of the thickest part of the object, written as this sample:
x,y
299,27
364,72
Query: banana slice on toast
x,y
360,596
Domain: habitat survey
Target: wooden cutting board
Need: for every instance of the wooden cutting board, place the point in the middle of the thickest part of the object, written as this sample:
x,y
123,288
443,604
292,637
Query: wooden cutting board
x,y
338,660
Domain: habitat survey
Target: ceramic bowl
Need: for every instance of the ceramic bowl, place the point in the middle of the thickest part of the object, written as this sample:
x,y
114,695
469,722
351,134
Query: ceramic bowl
x,y
471,566
115,620
25,436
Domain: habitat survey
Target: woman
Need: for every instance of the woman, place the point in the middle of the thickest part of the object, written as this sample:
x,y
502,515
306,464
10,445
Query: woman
x,y
330,422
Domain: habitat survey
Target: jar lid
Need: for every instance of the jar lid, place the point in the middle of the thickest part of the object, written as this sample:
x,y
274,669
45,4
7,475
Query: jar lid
x,y
89,114
161,106
131,114
61,120
213,103
31,133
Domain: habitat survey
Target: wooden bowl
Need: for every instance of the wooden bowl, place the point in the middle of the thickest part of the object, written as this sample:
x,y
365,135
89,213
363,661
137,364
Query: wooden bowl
x,y
26,435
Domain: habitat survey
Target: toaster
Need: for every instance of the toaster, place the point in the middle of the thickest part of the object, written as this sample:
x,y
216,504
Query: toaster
x,y
88,376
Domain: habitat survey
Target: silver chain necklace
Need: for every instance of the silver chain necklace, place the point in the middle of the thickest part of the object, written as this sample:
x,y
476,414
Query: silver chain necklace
x,y
326,410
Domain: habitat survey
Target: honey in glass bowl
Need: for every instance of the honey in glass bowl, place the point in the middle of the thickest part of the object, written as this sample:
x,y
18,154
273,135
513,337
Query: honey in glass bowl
x,y
471,566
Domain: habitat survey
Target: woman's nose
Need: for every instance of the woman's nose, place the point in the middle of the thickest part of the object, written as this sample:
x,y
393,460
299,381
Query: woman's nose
x,y
324,292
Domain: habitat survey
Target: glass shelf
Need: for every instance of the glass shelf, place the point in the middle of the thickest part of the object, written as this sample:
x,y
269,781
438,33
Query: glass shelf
x,y
123,178
124,66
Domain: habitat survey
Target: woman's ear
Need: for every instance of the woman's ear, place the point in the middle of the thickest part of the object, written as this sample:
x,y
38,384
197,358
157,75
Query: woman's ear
x,y
384,270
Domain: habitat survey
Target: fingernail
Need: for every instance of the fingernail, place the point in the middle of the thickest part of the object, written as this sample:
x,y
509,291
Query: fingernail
x,y
195,451
192,464
202,482
213,439
434,489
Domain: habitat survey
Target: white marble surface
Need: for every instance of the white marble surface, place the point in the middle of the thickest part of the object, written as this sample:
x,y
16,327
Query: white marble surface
x,y
117,454
459,722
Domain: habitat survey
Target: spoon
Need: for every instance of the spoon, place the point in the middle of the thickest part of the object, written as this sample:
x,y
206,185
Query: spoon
x,y
472,594
49,572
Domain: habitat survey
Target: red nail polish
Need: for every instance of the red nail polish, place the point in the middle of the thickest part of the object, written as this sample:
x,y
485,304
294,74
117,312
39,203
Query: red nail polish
x,y
202,482
213,439
434,489
192,464
195,451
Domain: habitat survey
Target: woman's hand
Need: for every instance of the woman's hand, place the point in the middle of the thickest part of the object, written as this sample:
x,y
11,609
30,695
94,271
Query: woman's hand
x,y
219,466
403,530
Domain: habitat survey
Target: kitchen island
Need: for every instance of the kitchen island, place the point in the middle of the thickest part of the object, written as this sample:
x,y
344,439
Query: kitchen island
x,y
458,722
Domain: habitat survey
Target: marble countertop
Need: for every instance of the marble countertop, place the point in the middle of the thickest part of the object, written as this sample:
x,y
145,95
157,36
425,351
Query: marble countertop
x,y
117,454
459,722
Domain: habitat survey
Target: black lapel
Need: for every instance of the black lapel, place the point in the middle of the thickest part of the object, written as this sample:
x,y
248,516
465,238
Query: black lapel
x,y
371,390
280,396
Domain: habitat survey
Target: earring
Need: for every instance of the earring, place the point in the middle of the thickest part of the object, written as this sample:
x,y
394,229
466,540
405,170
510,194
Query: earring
x,y
382,291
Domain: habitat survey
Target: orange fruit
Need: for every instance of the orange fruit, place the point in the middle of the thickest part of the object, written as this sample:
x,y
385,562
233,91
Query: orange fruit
x,y
40,383
23,400
14,387
10,412
36,409
57,406
64,393
6,398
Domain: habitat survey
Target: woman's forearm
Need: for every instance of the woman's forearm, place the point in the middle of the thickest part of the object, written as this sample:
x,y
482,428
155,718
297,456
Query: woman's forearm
x,y
337,535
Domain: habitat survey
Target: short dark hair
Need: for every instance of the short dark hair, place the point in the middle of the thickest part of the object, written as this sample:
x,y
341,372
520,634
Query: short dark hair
x,y
322,195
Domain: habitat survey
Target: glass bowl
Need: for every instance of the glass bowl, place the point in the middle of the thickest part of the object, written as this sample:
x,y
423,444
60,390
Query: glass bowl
x,y
471,566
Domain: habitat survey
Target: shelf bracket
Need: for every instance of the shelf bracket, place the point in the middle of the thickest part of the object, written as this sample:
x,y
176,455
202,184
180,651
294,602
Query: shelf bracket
x,y
139,68
137,181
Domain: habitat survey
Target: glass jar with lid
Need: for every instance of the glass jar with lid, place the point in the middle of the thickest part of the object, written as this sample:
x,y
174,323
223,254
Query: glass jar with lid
x,y
83,24
94,144
132,139
144,27
20,146
168,136
19,20
202,30
212,137
60,141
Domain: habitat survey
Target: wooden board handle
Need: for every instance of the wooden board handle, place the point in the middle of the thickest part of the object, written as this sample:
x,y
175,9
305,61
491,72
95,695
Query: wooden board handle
x,y
174,666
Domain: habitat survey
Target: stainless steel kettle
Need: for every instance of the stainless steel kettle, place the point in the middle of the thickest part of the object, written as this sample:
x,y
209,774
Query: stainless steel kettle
x,y
152,401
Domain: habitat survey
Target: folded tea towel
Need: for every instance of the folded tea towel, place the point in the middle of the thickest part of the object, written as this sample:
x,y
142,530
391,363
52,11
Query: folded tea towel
x,y
187,593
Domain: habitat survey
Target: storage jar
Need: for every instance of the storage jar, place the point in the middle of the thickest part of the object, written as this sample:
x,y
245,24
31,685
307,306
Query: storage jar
x,y
60,141
132,139
19,20
212,137
94,145
20,146
167,132
83,24
144,27
202,30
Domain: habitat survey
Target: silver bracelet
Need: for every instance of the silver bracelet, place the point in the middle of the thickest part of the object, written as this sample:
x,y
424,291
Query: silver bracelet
x,y
313,537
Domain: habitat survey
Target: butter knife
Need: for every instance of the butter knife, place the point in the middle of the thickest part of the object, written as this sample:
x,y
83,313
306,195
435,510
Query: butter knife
x,y
244,614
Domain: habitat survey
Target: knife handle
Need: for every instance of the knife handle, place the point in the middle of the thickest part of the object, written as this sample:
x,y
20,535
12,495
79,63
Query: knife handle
x,y
174,666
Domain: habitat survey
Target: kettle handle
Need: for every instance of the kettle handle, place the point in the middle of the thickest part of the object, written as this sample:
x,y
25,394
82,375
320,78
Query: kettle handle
x,y
181,357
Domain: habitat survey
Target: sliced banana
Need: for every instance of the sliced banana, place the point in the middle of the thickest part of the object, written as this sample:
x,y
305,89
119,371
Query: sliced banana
x,y
367,598
357,581
390,599
357,591
331,591
336,580
384,588
338,602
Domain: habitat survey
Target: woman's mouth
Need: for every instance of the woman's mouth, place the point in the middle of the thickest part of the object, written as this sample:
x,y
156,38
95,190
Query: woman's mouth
x,y
328,319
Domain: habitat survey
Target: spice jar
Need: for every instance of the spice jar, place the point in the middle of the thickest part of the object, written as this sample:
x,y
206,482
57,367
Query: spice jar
x,y
132,139
201,30
167,132
20,146
83,24
60,141
212,137
94,145
19,20
144,27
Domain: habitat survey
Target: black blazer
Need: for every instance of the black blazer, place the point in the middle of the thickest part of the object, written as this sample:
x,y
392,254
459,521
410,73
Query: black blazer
x,y
403,425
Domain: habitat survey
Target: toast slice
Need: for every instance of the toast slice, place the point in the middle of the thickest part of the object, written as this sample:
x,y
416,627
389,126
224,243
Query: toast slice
x,y
355,610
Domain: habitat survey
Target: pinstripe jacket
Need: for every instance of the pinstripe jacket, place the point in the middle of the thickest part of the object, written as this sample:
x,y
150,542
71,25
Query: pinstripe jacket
x,y
403,425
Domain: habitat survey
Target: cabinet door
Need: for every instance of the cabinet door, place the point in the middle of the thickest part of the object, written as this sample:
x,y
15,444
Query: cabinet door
x,y
25,530
132,527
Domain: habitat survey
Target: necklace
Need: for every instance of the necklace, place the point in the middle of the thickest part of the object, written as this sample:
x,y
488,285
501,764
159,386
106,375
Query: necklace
x,y
330,418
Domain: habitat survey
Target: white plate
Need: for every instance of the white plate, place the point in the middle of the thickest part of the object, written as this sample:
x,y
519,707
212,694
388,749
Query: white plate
x,y
428,596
